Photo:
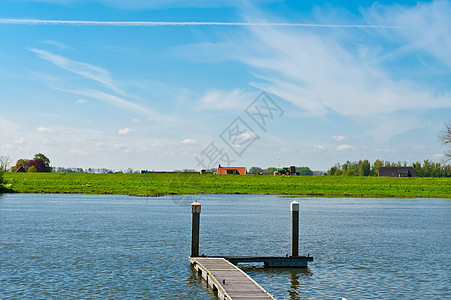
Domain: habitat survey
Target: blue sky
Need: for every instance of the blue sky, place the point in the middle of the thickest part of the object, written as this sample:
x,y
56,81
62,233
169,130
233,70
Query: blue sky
x,y
163,85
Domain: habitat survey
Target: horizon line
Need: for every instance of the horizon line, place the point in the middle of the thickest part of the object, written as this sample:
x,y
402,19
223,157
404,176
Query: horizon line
x,y
177,23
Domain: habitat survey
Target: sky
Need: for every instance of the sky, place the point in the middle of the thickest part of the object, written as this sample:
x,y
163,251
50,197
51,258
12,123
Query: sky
x,y
175,84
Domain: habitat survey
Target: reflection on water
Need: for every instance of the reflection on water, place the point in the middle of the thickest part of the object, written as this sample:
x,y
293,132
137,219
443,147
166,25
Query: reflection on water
x,y
295,291
87,246
295,276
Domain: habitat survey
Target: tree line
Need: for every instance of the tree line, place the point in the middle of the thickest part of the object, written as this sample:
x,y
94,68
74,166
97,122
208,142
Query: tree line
x,y
365,168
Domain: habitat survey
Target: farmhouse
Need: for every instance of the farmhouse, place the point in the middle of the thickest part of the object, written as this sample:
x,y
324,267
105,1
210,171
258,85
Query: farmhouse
x,y
232,170
397,172
20,169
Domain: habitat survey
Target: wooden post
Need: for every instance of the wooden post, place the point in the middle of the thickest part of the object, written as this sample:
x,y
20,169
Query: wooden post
x,y
195,225
294,228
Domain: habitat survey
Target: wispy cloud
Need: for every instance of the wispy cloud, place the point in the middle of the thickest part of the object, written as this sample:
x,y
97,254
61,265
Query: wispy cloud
x,y
223,99
321,75
429,26
319,147
83,69
58,45
122,103
342,71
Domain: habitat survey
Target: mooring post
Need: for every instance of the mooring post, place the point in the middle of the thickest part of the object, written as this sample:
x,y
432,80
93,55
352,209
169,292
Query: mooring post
x,y
195,210
294,228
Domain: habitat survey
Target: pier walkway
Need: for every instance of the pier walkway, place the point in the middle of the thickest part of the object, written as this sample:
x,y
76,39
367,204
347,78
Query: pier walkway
x,y
228,280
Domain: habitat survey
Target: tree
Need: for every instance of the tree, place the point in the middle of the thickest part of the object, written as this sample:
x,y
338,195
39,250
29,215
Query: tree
x,y
270,170
304,171
21,162
5,162
39,164
338,172
446,141
45,159
376,165
364,168
332,170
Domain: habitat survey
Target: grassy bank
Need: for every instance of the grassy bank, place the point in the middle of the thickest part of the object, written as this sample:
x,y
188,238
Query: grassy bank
x,y
173,184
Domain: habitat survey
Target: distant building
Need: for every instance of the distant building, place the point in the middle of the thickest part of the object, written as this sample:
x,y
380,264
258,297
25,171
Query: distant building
x,y
232,170
397,172
20,169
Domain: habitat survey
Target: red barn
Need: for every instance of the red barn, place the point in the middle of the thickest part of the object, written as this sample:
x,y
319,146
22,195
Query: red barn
x,y
232,170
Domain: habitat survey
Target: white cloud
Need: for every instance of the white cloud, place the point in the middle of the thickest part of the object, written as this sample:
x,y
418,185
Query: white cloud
x,y
124,131
319,147
344,147
81,101
339,138
135,120
189,141
119,146
44,129
19,141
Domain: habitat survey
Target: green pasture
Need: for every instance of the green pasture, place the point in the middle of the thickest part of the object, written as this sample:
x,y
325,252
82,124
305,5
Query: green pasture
x,y
174,184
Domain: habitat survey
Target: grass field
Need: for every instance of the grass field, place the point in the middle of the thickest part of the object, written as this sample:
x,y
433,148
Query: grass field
x,y
174,184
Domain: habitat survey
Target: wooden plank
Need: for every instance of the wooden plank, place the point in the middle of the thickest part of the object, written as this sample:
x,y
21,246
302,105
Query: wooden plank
x,y
228,280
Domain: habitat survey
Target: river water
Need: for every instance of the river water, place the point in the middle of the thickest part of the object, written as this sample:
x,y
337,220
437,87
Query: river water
x,y
116,247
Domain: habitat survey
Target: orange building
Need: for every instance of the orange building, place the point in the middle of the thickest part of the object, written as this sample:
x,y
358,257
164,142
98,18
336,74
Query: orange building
x,y
232,170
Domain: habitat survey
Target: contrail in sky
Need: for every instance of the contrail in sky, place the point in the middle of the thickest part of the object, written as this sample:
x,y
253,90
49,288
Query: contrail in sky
x,y
150,23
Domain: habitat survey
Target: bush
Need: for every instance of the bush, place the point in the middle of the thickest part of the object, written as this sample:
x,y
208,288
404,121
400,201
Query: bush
x,y
32,169
338,172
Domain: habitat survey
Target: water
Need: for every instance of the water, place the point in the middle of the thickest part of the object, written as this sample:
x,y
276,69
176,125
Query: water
x,y
88,246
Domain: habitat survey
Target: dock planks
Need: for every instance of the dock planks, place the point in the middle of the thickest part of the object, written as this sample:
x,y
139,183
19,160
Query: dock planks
x,y
228,280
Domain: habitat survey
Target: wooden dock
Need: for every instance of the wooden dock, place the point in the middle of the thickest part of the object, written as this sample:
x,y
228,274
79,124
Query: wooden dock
x,y
228,280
